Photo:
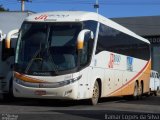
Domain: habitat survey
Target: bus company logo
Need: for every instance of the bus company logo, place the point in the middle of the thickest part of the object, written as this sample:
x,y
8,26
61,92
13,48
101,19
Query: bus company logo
x,y
129,63
114,60
44,17
41,17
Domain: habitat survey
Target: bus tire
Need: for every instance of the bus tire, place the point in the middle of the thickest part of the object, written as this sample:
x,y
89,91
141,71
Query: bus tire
x,y
156,92
149,93
140,91
135,94
96,94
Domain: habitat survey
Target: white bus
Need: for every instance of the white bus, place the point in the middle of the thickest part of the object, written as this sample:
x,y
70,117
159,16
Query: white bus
x,y
6,63
154,83
79,55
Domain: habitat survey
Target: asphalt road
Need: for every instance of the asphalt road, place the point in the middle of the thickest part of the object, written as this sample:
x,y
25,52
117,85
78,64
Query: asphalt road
x,y
110,108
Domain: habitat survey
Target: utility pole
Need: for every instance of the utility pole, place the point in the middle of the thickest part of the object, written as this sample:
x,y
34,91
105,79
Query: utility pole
x,y
23,4
96,6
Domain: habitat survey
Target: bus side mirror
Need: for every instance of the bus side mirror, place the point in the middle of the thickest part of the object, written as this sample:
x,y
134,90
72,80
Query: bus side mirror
x,y
81,37
9,37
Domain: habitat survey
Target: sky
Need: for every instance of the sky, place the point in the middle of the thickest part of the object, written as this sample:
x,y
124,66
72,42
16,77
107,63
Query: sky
x,y
108,8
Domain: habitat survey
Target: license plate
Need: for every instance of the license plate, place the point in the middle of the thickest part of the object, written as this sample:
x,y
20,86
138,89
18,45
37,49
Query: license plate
x,y
40,92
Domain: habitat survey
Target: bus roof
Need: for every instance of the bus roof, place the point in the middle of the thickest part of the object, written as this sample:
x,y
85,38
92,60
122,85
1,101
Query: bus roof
x,y
77,16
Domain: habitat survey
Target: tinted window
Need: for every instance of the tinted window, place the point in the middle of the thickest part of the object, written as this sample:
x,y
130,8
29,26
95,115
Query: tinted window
x,y
157,75
47,47
151,74
112,40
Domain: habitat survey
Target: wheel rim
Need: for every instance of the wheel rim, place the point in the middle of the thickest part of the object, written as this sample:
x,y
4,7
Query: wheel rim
x,y
95,96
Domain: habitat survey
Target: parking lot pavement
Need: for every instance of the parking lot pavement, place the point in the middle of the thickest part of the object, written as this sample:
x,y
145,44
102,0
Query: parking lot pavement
x,y
46,109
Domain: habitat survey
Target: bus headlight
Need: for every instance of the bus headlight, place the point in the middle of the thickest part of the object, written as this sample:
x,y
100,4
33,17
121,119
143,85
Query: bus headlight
x,y
47,84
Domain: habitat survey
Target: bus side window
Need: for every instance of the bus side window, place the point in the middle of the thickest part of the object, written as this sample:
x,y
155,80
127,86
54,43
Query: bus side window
x,y
113,40
157,76
151,74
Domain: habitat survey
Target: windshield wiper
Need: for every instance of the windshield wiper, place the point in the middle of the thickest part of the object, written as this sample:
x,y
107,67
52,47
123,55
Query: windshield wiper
x,y
34,58
53,64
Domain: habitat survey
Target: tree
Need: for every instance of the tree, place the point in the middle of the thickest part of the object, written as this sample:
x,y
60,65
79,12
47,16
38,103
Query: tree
x,y
3,9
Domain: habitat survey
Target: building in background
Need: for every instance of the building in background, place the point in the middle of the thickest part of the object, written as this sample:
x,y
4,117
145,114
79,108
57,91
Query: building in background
x,y
12,20
149,28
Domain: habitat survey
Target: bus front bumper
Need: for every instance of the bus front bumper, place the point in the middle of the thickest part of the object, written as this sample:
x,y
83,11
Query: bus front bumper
x,y
66,92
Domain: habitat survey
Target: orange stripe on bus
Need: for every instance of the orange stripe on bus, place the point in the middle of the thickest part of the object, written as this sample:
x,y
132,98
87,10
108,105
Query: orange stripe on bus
x,y
131,79
27,79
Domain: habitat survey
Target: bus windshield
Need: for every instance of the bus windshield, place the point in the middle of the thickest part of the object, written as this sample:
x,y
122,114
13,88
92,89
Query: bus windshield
x,y
47,48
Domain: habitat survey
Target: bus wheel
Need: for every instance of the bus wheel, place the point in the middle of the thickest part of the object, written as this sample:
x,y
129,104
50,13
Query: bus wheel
x,y
148,94
156,92
135,94
95,96
141,91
